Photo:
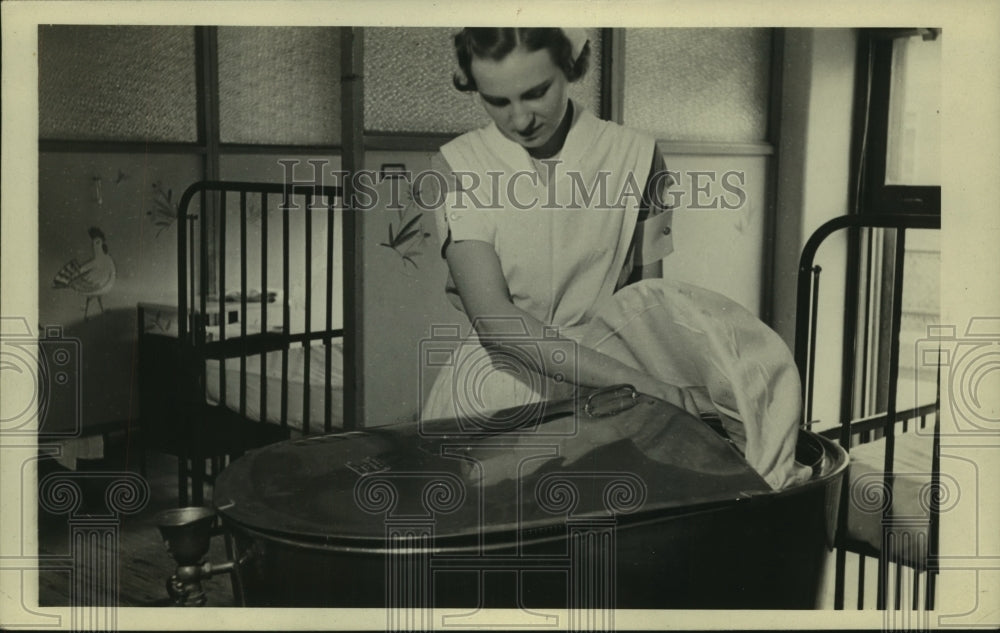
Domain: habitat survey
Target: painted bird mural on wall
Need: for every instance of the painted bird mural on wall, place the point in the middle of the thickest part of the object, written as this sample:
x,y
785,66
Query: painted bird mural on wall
x,y
94,277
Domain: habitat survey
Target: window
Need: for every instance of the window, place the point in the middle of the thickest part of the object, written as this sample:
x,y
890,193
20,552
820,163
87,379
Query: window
x,y
900,169
899,173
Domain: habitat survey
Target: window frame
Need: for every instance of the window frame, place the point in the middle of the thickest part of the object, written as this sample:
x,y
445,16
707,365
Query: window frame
x,y
875,56
871,259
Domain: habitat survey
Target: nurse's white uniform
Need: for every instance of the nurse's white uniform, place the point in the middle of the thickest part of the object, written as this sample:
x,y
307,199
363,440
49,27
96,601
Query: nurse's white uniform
x,y
561,229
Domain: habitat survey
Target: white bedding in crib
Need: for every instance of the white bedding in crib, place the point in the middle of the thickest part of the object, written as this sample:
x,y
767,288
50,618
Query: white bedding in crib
x,y
296,385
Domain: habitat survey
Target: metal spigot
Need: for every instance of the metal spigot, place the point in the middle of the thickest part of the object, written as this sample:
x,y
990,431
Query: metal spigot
x,y
187,534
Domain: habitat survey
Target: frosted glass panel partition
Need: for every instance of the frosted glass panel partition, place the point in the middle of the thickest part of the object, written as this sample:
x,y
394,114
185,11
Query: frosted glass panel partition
x,y
279,86
408,82
698,84
117,83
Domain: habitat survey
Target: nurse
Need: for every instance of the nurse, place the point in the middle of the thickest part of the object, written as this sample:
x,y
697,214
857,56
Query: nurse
x,y
521,262
553,227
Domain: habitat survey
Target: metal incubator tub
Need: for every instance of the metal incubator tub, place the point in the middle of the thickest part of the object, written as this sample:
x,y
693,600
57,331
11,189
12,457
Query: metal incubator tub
x,y
620,501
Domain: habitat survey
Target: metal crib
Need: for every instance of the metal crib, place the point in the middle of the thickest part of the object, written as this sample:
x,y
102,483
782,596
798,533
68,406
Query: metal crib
x,y
906,541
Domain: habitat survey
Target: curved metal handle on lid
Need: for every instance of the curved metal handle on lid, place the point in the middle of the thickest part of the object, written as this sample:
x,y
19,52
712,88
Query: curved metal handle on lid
x,y
611,401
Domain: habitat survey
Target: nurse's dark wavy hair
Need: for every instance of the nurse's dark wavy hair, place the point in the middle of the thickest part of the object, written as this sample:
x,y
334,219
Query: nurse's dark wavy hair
x,y
497,43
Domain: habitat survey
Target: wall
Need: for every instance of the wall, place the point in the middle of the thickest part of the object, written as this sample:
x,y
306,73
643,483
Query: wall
x,y
814,176
704,92
402,302
719,248
115,193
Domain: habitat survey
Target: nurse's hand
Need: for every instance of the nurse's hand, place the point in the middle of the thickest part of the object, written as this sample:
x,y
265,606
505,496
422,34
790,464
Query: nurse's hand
x,y
677,396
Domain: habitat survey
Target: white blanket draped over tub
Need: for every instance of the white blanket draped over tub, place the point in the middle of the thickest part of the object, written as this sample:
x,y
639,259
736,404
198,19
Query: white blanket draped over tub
x,y
296,380
734,364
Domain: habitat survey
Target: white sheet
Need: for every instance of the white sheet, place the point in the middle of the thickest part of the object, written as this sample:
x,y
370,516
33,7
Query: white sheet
x,y
296,385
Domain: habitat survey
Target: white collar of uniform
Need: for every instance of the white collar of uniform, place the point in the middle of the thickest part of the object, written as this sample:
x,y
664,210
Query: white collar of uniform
x,y
582,133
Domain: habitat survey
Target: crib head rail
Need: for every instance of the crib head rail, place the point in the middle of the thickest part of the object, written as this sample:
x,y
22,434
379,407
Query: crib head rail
x,y
280,236
188,251
806,312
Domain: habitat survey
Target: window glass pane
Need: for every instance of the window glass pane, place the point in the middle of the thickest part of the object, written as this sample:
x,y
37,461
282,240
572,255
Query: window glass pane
x,y
279,86
701,84
914,141
921,310
409,86
117,83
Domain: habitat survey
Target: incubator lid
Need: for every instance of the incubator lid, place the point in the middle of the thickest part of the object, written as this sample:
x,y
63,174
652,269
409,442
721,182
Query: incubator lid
x,y
522,474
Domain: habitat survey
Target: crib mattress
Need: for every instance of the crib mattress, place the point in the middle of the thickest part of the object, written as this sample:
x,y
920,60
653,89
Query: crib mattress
x,y
910,495
297,386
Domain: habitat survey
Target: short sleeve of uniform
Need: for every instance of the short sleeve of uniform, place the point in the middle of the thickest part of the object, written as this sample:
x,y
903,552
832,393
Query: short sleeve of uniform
x,y
456,216
656,233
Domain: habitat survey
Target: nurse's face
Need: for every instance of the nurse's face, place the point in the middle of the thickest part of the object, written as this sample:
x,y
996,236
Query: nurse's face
x,y
524,94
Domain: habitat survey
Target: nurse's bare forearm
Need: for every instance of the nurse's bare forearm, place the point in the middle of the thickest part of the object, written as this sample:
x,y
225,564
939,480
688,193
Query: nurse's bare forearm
x,y
486,299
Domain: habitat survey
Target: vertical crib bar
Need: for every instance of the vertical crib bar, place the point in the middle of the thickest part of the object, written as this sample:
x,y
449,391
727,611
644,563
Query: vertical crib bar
x,y
203,288
838,578
183,472
813,320
850,342
196,467
243,304
307,343
285,285
890,434
861,581
182,273
897,593
263,303
222,295
867,334
328,360
188,317
933,527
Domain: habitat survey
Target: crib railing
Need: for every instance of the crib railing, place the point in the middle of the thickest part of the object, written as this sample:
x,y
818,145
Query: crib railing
x,y
850,430
202,250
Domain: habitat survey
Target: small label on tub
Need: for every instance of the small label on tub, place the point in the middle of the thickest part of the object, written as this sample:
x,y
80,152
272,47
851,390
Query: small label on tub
x,y
368,466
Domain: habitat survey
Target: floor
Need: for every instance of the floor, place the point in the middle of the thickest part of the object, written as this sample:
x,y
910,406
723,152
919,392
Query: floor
x,y
144,563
